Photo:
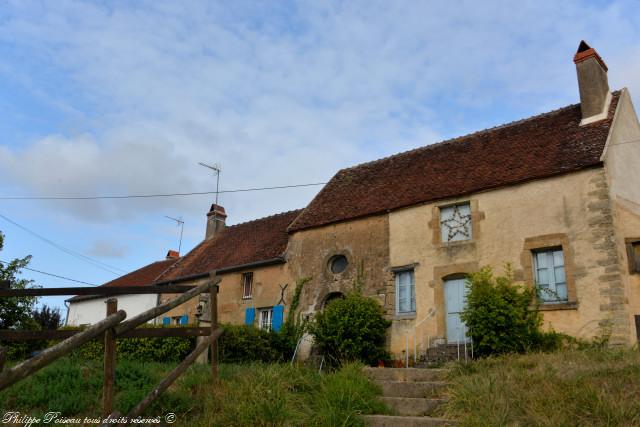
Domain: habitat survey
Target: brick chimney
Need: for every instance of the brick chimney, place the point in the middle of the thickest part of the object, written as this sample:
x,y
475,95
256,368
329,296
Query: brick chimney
x,y
215,221
173,254
593,83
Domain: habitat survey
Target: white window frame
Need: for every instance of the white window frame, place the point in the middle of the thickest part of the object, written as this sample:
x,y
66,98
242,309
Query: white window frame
x,y
247,282
553,281
399,274
463,220
265,320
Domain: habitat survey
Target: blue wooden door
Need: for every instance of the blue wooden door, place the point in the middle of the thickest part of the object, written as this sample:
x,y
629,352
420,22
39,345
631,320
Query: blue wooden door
x,y
454,295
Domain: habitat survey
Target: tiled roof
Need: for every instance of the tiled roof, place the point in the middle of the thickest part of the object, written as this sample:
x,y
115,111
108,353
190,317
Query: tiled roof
x,y
142,277
250,242
538,147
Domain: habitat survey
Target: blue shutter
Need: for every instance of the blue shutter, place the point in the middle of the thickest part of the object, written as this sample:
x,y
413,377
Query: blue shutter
x,y
249,316
166,321
278,316
184,320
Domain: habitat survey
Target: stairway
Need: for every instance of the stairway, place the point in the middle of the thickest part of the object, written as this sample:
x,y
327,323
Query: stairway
x,y
412,393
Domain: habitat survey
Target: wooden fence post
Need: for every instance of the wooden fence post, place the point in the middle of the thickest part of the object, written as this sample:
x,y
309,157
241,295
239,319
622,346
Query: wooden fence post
x,y
3,355
109,362
213,303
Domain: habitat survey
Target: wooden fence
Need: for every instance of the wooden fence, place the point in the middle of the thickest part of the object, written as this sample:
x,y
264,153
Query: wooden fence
x,y
111,327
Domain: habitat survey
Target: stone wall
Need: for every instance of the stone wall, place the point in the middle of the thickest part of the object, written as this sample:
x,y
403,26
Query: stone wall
x,y
231,306
571,211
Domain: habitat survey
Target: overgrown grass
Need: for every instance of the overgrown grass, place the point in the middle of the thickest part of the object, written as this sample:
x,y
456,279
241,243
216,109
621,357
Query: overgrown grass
x,y
259,394
74,388
283,395
570,388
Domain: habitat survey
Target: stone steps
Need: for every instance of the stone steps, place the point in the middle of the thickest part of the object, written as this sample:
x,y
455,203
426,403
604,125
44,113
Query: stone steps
x,y
412,393
405,374
412,406
396,421
425,389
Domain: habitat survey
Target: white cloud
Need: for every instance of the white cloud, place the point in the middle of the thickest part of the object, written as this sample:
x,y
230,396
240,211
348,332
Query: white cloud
x,y
282,94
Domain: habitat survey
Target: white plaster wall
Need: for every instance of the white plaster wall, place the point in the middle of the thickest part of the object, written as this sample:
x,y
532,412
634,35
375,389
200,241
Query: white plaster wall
x,y
94,310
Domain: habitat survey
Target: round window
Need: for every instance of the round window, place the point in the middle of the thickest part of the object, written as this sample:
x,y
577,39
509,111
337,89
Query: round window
x,y
338,264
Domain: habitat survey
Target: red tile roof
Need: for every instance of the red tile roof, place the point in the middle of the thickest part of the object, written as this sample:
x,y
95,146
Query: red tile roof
x,y
144,276
251,242
538,147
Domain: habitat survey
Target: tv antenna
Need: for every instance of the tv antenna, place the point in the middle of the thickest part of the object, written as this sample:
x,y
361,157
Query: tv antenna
x,y
216,168
180,222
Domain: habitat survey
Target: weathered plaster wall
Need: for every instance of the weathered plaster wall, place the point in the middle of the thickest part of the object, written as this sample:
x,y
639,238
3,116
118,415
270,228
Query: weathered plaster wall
x,y
93,310
622,163
231,306
365,244
569,210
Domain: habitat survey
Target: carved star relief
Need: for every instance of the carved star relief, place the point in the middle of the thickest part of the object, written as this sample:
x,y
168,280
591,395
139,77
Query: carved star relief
x,y
458,224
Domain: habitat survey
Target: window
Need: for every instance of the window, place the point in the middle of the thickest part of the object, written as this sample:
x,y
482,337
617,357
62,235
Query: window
x,y
338,264
405,292
247,285
551,281
455,223
633,253
266,318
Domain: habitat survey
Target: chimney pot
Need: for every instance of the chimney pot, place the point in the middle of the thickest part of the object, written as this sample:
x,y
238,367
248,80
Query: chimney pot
x,y
173,254
593,84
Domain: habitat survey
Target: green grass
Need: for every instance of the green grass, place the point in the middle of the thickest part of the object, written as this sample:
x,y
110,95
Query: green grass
x,y
74,387
284,395
570,388
256,395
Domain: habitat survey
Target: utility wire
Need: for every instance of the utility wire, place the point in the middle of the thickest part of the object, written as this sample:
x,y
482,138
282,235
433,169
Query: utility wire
x,y
145,196
94,262
52,275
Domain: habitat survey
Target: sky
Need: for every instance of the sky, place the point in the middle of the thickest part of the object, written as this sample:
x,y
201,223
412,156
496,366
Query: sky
x,y
121,98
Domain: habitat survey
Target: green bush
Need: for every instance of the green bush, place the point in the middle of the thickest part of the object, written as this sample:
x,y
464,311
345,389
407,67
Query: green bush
x,y
351,329
500,316
243,344
166,349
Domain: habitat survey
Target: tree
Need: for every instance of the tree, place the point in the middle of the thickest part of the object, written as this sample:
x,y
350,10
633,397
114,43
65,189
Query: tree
x,y
15,312
47,317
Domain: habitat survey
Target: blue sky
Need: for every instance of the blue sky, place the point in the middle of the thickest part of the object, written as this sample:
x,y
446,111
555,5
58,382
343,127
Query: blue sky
x,y
110,98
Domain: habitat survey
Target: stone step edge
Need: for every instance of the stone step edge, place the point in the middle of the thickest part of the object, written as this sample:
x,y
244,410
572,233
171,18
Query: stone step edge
x,y
405,420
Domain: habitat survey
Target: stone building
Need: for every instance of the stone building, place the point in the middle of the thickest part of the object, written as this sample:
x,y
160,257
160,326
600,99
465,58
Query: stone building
x,y
556,195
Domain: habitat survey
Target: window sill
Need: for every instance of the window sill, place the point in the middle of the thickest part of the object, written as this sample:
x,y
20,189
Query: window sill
x,y
404,316
456,243
246,298
571,305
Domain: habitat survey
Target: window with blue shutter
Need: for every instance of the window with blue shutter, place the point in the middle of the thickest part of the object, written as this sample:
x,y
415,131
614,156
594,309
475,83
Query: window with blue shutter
x,y
278,317
184,320
249,316
405,292
166,321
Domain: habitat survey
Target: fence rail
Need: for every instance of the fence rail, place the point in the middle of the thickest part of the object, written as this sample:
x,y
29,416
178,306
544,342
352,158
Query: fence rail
x,y
115,326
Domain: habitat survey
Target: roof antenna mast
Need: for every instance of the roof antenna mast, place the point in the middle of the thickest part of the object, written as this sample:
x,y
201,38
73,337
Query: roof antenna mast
x,y
180,222
216,168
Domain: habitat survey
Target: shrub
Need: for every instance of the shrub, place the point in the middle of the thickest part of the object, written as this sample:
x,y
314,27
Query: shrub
x,y
166,349
500,316
243,344
351,329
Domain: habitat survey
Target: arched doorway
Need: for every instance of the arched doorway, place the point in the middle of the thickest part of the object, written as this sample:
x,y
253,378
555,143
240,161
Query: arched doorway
x,y
332,296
